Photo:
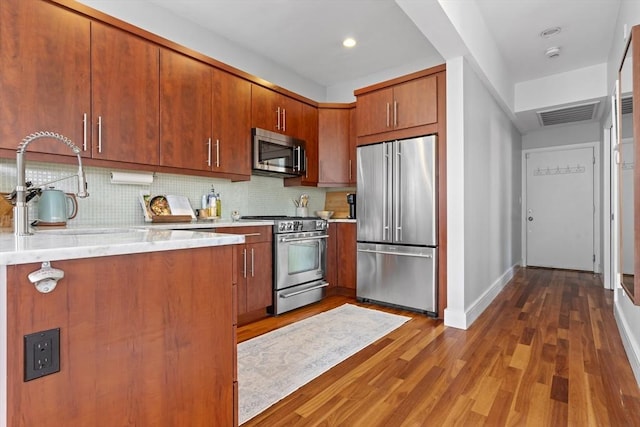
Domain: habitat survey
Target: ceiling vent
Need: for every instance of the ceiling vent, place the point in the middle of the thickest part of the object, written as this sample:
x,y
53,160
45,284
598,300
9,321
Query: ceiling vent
x,y
627,105
575,113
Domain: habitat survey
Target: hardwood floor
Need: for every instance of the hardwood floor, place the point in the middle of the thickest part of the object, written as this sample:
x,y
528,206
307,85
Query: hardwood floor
x,y
545,353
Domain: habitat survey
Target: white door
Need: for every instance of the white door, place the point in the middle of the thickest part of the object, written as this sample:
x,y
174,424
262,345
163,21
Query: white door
x,y
560,209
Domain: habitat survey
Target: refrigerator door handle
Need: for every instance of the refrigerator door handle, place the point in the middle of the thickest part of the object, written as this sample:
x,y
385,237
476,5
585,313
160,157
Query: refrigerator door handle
x,y
397,192
371,251
386,232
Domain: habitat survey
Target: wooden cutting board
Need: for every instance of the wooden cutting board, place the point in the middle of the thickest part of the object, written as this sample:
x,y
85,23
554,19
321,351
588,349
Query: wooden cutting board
x,y
336,201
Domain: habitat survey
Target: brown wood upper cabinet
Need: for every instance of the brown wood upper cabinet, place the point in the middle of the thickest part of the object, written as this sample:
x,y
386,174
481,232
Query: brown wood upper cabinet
x,y
405,105
205,114
186,112
309,134
275,112
231,141
334,157
125,103
45,84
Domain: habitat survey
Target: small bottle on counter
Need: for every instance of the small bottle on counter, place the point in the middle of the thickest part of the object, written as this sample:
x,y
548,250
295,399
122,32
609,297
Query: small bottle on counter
x,y
218,206
212,203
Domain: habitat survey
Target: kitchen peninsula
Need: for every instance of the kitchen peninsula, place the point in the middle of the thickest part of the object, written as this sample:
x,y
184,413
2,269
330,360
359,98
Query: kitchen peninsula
x,y
146,328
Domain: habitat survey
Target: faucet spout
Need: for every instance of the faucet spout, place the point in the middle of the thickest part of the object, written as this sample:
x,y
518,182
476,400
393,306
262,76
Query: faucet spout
x,y
20,220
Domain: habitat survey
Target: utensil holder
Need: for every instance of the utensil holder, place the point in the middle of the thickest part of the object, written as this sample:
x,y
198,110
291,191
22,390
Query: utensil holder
x,y
302,211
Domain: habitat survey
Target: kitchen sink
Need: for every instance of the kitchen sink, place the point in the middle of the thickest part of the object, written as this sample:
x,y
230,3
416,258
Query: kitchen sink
x,y
86,231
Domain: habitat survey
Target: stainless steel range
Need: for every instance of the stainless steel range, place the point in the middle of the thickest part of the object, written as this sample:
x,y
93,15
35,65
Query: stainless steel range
x,y
299,261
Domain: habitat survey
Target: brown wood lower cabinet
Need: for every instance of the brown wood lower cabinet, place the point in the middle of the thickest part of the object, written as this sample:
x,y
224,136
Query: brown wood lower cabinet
x,y
145,339
254,271
342,258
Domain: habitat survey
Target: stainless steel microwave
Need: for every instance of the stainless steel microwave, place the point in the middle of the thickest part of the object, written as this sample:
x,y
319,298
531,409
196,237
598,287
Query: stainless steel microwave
x,y
277,155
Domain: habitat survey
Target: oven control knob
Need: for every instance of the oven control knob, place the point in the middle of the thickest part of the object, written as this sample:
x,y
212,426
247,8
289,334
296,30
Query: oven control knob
x,y
289,226
282,226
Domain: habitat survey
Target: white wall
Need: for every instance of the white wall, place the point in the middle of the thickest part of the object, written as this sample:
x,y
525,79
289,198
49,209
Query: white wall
x,y
562,135
484,169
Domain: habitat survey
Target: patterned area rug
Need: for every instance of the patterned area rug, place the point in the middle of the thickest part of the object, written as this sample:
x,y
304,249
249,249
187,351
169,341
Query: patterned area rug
x,y
274,365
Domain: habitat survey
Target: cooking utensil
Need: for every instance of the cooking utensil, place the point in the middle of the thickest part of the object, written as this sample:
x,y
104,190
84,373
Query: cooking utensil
x,y
297,203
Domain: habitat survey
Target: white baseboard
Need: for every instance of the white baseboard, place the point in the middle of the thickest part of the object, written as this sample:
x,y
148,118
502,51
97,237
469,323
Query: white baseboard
x,y
462,320
630,344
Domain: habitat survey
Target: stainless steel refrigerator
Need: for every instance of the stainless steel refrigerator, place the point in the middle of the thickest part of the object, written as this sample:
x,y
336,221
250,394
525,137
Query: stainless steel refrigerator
x,y
397,224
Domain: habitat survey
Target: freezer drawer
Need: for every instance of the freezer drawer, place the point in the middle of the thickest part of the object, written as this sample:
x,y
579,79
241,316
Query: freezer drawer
x,y
398,275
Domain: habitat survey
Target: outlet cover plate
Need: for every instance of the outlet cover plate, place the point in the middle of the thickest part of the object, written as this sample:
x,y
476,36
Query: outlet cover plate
x,y
41,354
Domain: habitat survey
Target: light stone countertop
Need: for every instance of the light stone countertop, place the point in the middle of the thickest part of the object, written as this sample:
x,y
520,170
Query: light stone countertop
x,y
342,220
52,244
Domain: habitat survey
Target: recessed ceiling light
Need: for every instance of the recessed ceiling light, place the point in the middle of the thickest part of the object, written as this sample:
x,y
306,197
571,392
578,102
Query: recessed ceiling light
x,y
550,32
552,52
349,42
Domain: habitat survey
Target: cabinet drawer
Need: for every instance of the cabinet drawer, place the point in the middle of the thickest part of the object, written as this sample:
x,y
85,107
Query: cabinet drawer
x,y
254,234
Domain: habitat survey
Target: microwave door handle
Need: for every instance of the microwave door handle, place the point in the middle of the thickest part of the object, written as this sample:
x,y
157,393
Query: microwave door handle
x,y
297,164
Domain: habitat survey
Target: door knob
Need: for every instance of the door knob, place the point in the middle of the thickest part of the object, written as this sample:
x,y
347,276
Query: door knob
x,y
530,218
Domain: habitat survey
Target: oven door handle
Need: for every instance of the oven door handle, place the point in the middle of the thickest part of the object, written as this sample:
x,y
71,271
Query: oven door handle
x,y
300,239
292,294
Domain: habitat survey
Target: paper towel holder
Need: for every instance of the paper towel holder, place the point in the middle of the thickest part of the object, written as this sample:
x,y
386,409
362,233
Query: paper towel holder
x,y
132,178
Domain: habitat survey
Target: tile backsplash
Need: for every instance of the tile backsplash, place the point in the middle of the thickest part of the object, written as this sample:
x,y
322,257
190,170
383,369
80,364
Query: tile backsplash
x,y
118,203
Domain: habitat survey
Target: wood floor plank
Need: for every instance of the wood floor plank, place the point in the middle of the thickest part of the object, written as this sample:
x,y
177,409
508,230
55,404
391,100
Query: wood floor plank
x,y
545,353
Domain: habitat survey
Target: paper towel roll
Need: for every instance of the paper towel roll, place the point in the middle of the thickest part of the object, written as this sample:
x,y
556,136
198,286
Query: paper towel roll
x,y
133,178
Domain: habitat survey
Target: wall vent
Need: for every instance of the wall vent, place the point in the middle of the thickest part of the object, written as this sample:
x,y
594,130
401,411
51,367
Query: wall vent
x,y
627,105
575,113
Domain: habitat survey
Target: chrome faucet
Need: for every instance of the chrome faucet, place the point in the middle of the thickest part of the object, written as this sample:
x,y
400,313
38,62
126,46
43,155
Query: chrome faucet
x,y
20,220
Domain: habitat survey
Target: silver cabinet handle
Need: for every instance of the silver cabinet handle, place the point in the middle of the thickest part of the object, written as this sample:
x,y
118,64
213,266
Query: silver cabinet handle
x,y
300,239
217,153
278,118
252,234
209,152
370,251
395,113
306,167
84,132
350,178
252,263
244,267
387,114
99,134
284,120
289,295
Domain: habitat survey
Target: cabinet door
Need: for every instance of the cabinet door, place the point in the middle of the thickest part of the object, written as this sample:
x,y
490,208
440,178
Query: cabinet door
x,y
331,274
231,144
241,277
275,112
265,109
352,148
259,276
45,76
374,112
309,133
291,112
185,106
125,101
333,146
416,103
346,254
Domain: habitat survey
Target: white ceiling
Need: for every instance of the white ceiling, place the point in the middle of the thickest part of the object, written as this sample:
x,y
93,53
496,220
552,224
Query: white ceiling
x,y
305,35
